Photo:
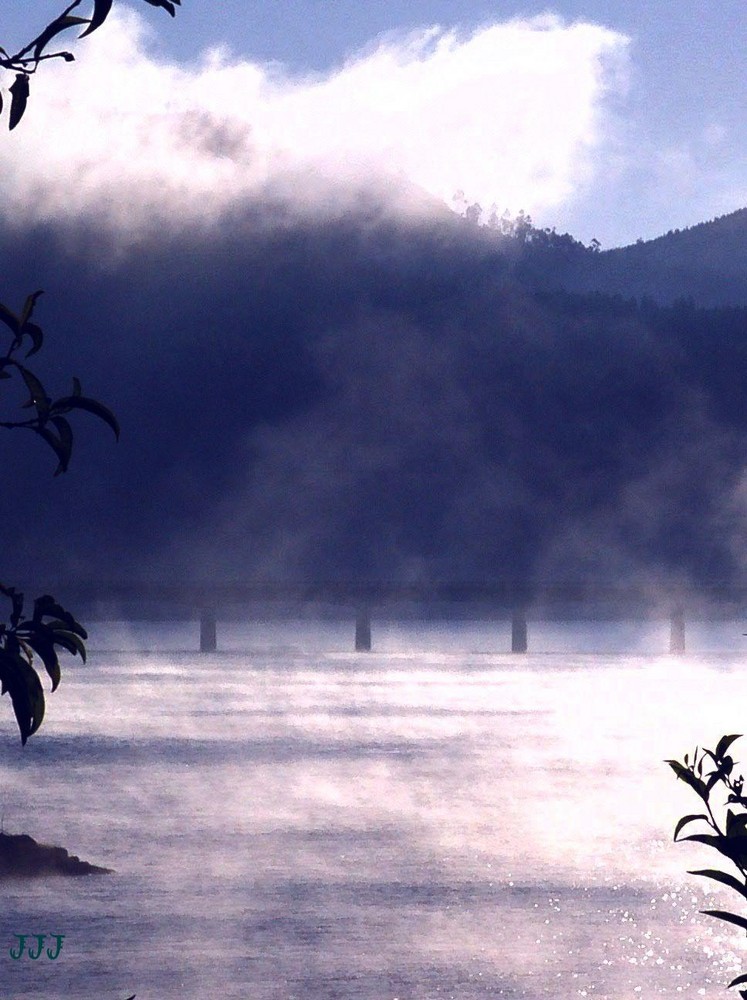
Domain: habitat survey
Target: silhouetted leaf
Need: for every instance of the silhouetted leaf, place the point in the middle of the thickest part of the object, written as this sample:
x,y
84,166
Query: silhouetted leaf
x,y
20,95
41,640
166,4
731,918
724,878
54,28
723,745
71,642
712,839
7,666
28,307
35,695
39,397
37,337
9,318
16,599
713,779
737,981
736,824
63,455
47,607
689,778
69,625
52,666
101,10
688,819
65,433
46,652
21,682
68,403
734,848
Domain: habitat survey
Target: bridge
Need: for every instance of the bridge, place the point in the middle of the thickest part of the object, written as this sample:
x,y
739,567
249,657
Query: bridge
x,y
514,601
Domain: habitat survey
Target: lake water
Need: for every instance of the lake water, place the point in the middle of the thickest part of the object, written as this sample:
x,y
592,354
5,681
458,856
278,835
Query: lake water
x,y
438,818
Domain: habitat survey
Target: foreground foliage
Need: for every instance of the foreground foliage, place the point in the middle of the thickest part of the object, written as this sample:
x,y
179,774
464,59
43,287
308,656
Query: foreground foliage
x,y
50,628
729,836
49,420
26,61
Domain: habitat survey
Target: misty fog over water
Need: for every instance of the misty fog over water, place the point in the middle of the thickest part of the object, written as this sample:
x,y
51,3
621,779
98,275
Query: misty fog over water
x,y
438,818
372,398
335,378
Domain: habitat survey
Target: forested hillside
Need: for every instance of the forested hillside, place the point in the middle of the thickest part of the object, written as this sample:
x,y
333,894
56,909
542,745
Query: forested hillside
x,y
375,398
707,263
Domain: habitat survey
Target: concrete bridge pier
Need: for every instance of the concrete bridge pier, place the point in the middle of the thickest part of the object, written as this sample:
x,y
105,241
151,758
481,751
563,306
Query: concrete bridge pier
x,y
677,631
208,632
363,631
519,636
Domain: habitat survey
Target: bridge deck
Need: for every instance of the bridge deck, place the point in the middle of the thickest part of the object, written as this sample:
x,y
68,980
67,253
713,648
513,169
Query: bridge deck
x,y
521,603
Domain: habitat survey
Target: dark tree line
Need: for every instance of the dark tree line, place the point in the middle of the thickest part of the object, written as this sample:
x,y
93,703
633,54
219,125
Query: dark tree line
x,y
520,228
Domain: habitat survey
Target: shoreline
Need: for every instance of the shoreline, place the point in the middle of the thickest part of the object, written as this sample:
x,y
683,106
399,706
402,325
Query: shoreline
x,y
23,857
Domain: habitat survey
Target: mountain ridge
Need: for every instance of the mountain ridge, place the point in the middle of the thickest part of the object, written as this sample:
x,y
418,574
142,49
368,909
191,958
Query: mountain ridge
x,y
706,262
376,398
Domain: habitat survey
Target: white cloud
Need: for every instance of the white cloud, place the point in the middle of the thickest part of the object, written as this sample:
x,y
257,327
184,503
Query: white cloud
x,y
512,114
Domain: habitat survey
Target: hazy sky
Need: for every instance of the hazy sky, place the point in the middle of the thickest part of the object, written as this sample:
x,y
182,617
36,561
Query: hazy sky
x,y
614,119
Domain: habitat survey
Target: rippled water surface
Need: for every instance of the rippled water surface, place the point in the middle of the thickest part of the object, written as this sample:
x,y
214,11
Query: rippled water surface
x,y
437,818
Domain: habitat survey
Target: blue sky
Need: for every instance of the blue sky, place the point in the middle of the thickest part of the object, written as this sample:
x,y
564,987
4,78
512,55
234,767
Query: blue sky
x,y
640,126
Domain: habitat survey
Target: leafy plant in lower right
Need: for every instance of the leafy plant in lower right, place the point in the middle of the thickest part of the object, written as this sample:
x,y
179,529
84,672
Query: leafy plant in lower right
x,y
729,835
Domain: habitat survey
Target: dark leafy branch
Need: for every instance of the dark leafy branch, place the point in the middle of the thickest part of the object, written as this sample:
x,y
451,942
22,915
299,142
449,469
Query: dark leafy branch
x,y
26,641
49,627
49,419
729,835
26,61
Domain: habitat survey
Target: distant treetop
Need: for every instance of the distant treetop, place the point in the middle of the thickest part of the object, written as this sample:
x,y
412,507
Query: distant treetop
x,y
519,228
